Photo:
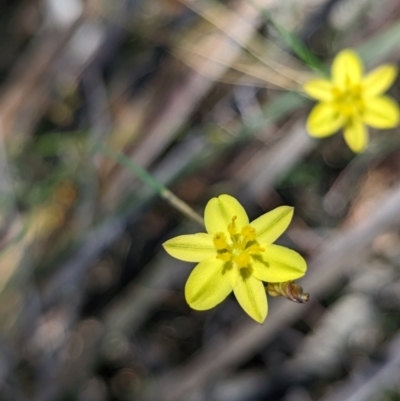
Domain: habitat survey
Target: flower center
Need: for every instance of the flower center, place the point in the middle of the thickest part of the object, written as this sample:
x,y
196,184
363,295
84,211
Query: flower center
x,y
349,102
239,246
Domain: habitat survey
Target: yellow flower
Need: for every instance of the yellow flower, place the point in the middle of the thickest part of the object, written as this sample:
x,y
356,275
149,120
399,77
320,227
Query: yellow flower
x,y
237,256
351,101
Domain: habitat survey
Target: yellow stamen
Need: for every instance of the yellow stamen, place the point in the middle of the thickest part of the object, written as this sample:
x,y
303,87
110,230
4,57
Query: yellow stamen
x,y
255,248
225,256
349,102
232,226
249,233
220,241
242,260
238,247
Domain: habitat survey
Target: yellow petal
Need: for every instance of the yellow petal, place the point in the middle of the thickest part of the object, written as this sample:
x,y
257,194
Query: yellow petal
x,y
208,284
191,248
379,80
347,69
251,296
356,135
220,211
279,264
324,120
320,89
270,226
381,112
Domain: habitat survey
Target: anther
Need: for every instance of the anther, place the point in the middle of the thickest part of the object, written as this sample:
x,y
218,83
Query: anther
x,y
220,241
232,226
249,233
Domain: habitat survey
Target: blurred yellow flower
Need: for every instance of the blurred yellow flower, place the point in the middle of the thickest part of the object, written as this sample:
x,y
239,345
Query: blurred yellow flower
x,y
236,255
351,101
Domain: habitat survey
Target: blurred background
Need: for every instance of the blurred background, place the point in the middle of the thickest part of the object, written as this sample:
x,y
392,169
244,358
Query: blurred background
x,y
206,96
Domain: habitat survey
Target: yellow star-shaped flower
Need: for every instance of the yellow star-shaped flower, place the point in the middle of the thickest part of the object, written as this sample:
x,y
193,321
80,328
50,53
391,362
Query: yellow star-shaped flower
x,y
351,101
236,255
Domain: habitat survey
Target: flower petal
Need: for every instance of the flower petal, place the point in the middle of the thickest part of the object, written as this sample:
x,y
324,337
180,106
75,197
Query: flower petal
x,y
356,135
220,211
251,295
347,69
270,226
279,264
324,120
208,284
381,112
320,89
379,80
191,248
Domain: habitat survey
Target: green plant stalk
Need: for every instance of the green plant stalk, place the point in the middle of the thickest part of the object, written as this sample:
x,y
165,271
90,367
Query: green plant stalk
x,y
297,46
149,180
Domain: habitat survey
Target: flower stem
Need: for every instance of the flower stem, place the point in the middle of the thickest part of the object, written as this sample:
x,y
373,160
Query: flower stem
x,y
149,180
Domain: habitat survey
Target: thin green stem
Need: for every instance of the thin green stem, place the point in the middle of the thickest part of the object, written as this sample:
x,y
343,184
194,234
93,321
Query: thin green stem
x,y
297,46
149,180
